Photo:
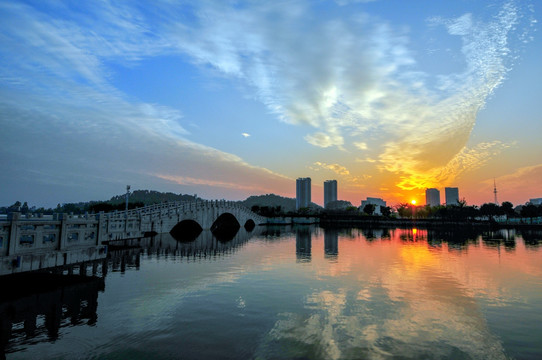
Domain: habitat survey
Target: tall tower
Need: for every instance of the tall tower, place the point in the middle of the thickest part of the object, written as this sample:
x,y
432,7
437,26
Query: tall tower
x,y
495,191
432,197
330,191
452,195
302,193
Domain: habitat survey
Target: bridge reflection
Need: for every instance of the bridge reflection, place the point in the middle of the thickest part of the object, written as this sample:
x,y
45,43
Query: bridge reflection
x,y
206,244
43,306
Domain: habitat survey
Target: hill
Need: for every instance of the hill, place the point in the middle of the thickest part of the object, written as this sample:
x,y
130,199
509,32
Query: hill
x,y
339,205
149,197
273,201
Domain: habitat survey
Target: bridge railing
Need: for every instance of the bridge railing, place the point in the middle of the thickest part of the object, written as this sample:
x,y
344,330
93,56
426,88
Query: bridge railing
x,y
179,207
152,210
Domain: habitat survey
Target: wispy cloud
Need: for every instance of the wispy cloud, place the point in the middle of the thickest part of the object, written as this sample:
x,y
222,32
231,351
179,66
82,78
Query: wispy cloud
x,y
336,168
361,145
465,160
187,180
58,103
361,79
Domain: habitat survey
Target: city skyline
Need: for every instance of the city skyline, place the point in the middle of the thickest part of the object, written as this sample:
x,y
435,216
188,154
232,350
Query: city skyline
x,y
232,99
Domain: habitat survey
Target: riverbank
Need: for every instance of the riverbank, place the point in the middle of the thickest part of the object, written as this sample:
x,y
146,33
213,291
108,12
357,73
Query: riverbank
x,y
334,221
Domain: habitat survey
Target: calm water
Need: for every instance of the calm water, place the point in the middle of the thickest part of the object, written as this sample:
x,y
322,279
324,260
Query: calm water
x,y
300,293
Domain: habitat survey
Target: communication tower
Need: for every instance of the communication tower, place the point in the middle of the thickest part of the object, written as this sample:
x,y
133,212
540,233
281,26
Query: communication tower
x,y
495,191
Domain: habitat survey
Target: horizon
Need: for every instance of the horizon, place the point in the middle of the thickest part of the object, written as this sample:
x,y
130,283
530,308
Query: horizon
x,y
417,204
232,99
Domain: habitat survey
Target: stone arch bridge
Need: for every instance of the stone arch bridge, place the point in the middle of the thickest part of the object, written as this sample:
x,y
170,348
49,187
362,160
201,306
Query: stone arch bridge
x,y
34,242
179,217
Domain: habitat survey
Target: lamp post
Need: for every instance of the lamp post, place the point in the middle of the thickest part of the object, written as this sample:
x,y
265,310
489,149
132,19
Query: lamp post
x,y
127,196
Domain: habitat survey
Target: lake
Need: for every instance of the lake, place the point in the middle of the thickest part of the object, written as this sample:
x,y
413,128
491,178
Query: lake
x,y
297,293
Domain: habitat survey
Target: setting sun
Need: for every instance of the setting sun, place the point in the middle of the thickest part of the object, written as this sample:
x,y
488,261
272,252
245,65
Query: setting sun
x,y
413,202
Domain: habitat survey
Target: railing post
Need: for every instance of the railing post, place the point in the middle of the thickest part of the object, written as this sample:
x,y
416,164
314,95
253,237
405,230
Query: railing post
x,y
101,220
62,235
13,232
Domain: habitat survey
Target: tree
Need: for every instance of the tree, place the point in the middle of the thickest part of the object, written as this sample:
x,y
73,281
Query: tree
x,y
369,209
385,210
15,207
508,209
404,210
24,208
490,210
529,211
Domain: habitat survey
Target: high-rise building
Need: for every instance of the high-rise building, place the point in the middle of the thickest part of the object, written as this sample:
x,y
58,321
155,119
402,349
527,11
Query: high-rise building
x,y
432,197
452,195
302,193
330,191
377,202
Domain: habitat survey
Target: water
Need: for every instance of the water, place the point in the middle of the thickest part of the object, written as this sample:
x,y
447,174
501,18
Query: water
x,y
301,293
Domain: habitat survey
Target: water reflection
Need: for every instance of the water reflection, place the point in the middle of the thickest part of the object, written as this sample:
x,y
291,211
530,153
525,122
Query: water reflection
x,y
48,303
303,239
286,293
122,259
331,243
205,245
532,238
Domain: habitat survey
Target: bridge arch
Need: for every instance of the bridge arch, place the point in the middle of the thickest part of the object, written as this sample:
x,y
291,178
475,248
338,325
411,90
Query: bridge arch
x,y
225,226
186,230
249,225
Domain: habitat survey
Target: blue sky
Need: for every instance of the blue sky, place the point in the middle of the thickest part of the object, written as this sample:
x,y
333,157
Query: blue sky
x,y
227,99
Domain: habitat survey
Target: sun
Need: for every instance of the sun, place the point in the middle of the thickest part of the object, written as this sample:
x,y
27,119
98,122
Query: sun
x,y
413,202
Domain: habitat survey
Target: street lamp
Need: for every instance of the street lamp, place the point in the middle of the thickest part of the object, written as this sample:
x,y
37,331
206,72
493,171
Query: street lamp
x,y
127,196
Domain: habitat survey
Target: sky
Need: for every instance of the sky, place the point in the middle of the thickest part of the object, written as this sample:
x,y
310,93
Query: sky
x,y
227,99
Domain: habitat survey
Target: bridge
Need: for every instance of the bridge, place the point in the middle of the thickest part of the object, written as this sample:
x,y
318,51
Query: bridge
x,y
35,242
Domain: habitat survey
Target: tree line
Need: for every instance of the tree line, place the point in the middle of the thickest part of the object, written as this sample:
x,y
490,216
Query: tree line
x,y
464,212
138,198
70,208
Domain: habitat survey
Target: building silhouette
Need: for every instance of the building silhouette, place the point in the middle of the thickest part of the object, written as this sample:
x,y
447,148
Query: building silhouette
x,y
432,197
302,193
452,195
377,202
330,191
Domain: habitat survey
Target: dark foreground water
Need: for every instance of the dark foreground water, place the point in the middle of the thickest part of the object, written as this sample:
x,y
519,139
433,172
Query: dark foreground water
x,y
302,293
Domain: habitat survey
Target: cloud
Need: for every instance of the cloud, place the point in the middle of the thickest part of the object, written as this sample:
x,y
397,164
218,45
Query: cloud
x,y
324,140
367,160
465,160
361,145
336,168
245,135
187,180
58,103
